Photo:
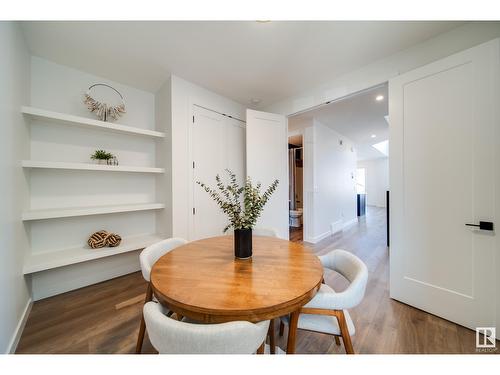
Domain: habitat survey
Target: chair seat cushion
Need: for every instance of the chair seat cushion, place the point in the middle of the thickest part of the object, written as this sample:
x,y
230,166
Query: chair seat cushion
x,y
322,323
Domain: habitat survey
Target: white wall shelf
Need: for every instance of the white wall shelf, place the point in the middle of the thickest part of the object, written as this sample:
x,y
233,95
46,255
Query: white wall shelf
x,y
48,260
64,118
85,211
88,167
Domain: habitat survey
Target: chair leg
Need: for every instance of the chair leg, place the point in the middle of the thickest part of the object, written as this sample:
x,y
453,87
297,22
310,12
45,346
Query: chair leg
x,y
261,348
292,332
337,340
142,328
345,332
272,345
282,328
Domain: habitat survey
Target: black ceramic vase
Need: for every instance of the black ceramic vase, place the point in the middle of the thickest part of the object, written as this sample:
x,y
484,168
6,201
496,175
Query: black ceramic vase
x,y
243,243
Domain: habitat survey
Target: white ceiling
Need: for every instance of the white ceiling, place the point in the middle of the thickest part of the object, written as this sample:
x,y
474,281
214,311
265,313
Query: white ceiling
x,y
241,60
357,118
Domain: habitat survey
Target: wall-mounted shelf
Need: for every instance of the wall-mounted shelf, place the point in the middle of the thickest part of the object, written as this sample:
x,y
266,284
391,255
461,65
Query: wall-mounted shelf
x,y
48,260
85,211
87,122
88,167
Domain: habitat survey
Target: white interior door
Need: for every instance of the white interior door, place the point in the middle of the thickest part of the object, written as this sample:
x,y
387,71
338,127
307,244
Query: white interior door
x,y
218,143
444,173
267,160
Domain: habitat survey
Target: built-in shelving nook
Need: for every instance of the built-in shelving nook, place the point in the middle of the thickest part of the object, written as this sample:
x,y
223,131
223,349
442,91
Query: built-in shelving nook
x,y
71,197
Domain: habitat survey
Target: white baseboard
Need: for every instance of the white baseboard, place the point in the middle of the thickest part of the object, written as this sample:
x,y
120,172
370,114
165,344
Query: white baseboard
x,y
320,237
335,227
349,223
20,327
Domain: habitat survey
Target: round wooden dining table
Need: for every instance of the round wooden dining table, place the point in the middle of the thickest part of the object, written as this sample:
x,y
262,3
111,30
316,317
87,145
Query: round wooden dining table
x,y
202,280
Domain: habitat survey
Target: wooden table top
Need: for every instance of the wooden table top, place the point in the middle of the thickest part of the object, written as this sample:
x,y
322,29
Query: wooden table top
x,y
202,279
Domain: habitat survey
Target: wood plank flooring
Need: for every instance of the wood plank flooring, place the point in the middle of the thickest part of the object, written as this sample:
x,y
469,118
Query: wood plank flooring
x,y
104,318
296,234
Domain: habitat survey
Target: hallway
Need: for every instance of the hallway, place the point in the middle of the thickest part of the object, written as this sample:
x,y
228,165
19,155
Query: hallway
x,y
382,325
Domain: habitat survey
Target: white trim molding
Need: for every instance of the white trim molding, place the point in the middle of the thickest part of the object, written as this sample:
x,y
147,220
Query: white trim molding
x,y
320,237
14,341
341,226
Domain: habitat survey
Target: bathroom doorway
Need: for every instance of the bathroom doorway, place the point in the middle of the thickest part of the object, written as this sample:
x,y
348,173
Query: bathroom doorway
x,y
296,186
342,142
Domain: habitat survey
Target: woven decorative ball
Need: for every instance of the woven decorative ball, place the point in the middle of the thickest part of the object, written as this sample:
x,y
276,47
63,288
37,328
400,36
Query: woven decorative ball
x,y
103,238
98,239
113,240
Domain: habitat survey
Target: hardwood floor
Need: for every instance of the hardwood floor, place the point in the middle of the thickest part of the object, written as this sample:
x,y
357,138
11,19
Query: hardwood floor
x,y
104,318
296,234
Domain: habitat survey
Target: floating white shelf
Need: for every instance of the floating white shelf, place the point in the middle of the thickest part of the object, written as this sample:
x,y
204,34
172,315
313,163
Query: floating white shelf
x,y
85,211
87,122
88,167
48,260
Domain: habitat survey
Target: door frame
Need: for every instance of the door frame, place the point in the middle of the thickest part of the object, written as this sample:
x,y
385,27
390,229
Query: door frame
x,y
306,212
308,218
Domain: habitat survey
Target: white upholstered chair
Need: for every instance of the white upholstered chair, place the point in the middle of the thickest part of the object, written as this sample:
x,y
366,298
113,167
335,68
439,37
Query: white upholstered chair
x,y
170,336
148,258
327,311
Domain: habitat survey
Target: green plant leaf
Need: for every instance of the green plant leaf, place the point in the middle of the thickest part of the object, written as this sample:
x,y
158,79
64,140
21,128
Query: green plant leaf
x,y
242,211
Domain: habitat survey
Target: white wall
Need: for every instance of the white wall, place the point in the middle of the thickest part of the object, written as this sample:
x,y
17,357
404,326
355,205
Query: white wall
x,y
183,96
458,39
14,92
61,88
377,180
329,186
163,115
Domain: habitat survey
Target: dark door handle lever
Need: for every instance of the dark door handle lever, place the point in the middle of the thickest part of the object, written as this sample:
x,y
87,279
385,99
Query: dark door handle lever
x,y
483,225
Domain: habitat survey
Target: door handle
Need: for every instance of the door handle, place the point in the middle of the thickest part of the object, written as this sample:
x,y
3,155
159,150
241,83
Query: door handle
x,y
483,225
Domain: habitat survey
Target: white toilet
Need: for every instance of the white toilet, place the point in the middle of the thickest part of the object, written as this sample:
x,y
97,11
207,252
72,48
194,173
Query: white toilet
x,y
296,218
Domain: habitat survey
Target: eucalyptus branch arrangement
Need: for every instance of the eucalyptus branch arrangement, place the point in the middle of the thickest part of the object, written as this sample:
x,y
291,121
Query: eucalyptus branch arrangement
x,y
242,213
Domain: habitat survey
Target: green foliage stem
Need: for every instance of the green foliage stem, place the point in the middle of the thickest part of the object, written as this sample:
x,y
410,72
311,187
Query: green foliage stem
x,y
242,212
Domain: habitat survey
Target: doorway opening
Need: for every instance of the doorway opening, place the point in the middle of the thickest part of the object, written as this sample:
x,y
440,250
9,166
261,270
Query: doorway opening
x,y
296,190
346,176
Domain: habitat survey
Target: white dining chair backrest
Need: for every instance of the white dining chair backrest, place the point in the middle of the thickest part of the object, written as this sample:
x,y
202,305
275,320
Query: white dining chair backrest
x,y
170,336
266,232
152,253
354,270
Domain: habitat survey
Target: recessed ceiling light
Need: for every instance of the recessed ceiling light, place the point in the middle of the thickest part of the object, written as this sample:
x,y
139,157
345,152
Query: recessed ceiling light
x,y
379,98
373,136
255,101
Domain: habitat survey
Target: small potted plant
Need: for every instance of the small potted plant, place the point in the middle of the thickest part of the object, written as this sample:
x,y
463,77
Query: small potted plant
x,y
242,212
102,157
